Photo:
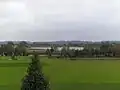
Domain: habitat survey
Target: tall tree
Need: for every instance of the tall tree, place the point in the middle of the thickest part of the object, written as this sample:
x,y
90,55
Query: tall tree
x,y
22,48
105,48
48,52
64,51
2,50
35,80
9,47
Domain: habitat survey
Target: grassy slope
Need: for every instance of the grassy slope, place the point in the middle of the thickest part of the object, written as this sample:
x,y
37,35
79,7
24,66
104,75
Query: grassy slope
x,y
65,75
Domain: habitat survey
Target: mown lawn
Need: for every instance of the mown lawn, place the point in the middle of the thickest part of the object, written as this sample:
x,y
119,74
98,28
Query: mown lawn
x,y
64,74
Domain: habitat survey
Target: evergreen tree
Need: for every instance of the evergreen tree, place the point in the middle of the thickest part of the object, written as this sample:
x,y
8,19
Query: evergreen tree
x,y
35,80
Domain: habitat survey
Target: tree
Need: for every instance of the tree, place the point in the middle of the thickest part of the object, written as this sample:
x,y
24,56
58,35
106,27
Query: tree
x,y
23,43
64,52
22,48
105,48
35,80
2,50
76,53
48,52
9,47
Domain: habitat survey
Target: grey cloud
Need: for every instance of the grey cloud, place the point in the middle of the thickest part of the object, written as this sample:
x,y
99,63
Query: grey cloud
x,y
81,33
44,20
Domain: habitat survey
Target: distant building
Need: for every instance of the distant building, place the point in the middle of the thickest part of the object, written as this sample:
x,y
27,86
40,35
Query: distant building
x,y
43,49
38,49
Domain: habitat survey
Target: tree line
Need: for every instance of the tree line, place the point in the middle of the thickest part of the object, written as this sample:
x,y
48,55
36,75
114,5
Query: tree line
x,y
104,50
10,49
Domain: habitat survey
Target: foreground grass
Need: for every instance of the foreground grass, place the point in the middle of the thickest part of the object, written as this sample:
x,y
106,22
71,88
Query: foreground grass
x,y
64,74
84,74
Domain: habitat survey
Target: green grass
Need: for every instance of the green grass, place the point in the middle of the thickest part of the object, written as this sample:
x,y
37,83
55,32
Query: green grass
x,y
64,74
84,74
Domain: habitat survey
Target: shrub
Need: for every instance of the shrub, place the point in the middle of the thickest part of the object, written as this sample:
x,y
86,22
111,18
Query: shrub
x,y
35,80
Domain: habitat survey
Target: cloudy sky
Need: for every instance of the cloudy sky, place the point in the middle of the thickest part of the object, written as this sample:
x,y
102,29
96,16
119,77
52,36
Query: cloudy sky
x,y
45,20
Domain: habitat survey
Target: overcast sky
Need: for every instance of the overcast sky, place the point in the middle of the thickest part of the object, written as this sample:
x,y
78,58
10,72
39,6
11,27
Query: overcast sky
x,y
44,20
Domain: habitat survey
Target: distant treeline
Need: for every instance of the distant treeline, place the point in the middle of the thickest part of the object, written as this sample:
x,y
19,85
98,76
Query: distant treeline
x,y
104,49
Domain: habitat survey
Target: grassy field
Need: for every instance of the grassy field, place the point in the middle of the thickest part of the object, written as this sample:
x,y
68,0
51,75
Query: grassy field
x,y
64,74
